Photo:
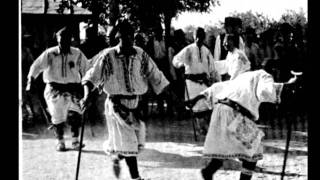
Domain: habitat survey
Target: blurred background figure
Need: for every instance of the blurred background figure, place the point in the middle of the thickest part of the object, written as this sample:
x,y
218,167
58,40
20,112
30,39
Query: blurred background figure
x,y
26,61
140,41
286,50
156,48
252,48
94,42
176,43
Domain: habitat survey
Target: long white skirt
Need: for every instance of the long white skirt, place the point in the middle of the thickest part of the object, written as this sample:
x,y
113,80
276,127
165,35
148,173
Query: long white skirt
x,y
122,138
59,104
232,135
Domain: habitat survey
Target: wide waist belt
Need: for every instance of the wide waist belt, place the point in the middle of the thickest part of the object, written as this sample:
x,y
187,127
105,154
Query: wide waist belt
x,y
236,106
121,109
198,78
70,87
120,96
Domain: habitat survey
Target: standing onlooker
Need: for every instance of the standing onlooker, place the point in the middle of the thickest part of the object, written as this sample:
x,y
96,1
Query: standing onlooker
x,y
63,67
232,26
176,43
156,48
236,61
289,59
211,43
252,49
266,44
199,69
287,51
140,41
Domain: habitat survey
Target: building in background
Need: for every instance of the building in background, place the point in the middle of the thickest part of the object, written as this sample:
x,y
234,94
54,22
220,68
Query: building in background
x,y
40,19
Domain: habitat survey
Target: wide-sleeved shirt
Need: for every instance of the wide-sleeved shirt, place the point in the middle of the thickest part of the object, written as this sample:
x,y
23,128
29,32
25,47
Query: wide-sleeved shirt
x,y
59,67
235,63
196,60
120,75
249,89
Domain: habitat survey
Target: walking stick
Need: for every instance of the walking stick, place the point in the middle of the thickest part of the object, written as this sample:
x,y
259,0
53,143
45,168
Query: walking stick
x,y
81,141
84,114
288,136
192,114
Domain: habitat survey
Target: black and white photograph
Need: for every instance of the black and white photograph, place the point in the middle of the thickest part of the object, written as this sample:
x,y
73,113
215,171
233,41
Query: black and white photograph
x,y
163,90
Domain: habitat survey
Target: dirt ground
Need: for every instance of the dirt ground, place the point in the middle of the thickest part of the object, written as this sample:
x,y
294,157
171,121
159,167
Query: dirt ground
x,y
170,154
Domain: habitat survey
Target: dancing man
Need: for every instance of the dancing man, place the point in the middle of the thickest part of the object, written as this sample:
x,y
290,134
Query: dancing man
x,y
63,67
232,132
124,71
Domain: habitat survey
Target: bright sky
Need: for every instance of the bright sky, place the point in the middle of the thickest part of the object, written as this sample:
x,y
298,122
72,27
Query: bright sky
x,y
271,8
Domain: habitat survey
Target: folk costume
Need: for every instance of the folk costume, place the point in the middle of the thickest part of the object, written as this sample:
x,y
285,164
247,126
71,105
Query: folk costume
x,y
62,73
232,132
230,23
235,63
232,26
199,69
124,80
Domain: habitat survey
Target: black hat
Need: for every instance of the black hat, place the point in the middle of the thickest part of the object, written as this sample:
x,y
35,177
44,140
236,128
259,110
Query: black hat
x,y
228,21
123,26
200,32
232,21
237,22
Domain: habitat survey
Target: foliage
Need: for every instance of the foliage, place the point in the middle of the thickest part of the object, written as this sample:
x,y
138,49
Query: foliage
x,y
257,21
143,12
293,18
